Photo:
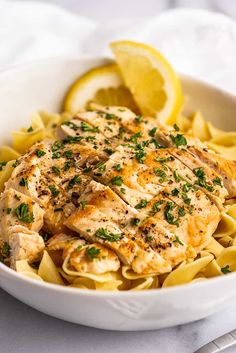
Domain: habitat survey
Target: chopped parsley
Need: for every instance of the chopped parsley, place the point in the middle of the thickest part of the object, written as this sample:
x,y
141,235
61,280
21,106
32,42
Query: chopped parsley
x,y
87,170
109,151
140,155
156,208
68,165
168,215
199,172
218,181
87,128
177,176
148,238
23,182
185,198
176,127
110,116
152,132
225,270
101,166
56,170
134,138
177,240
138,119
2,164
72,139
164,160
57,146
68,154
23,213
92,253
135,221
181,212
56,155
15,164
75,180
54,191
159,172
123,191
186,187
83,204
40,153
79,247
179,140
103,234
117,180
30,129
142,204
8,210
71,125
118,167
175,192
58,209
5,252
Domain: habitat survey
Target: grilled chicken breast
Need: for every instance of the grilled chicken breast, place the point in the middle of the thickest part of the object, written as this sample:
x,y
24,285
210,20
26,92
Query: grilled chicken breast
x,y
132,190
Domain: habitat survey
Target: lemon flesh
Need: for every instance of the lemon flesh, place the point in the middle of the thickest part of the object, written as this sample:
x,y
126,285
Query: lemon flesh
x,y
103,85
151,80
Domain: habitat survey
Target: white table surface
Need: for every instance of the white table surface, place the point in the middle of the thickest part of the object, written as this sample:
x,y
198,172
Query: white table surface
x,y
25,330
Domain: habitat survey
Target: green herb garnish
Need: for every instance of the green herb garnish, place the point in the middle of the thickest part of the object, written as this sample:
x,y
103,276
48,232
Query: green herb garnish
x,y
179,140
54,191
40,153
117,180
56,170
218,181
2,164
75,180
152,132
176,127
103,234
87,128
92,253
168,215
138,119
23,214
225,270
23,182
177,240
118,167
156,208
143,203
71,125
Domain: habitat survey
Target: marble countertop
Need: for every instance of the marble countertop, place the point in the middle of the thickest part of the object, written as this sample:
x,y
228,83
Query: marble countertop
x,y
25,330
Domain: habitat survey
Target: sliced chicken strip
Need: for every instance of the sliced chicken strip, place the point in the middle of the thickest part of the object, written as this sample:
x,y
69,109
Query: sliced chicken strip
x,y
24,245
94,226
18,209
108,203
95,259
121,177
223,168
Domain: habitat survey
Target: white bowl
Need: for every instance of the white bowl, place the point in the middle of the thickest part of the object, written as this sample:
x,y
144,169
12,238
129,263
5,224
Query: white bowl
x,y
42,85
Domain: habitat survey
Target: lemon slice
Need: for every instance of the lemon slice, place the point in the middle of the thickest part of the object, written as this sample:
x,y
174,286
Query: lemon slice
x,y
151,80
103,85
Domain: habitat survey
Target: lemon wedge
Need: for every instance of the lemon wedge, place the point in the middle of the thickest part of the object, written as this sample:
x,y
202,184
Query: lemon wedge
x,y
103,85
151,80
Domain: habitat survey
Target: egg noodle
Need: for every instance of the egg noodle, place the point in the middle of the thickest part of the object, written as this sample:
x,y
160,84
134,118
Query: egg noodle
x,y
217,259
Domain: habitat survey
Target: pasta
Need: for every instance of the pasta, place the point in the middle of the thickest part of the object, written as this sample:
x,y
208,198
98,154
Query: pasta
x,y
217,259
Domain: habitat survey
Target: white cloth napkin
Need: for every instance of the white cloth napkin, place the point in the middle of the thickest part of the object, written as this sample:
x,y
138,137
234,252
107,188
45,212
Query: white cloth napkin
x,y
196,42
